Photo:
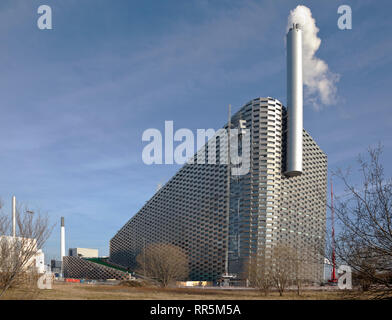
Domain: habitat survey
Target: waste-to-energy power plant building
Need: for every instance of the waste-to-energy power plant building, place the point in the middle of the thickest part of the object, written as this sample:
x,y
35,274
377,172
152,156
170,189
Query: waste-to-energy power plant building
x,y
221,223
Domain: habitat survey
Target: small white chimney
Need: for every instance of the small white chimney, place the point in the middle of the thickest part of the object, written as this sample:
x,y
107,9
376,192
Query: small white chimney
x,y
62,239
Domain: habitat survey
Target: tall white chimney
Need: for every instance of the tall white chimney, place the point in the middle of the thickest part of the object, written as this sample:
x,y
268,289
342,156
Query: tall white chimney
x,y
62,239
14,216
294,102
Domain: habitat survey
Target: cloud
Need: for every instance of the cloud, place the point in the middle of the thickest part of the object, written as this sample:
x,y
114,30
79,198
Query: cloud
x,y
320,82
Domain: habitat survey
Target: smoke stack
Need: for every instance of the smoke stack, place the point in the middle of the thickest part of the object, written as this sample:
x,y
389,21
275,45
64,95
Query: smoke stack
x,y
294,102
13,216
62,239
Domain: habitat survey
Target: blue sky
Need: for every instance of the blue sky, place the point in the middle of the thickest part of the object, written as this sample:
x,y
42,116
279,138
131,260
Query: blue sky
x,y
75,100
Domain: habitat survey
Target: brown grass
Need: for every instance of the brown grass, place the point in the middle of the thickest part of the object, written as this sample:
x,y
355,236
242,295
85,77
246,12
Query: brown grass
x,y
75,291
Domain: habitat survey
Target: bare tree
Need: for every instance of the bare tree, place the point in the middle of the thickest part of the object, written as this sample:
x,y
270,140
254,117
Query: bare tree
x,y
163,262
367,261
298,264
17,254
365,215
259,273
281,267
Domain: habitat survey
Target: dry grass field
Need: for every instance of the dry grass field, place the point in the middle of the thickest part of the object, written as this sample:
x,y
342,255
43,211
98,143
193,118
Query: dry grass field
x,y
76,291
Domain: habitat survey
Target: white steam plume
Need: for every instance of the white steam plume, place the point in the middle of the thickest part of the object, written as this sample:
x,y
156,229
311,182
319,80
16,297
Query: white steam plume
x,y
320,83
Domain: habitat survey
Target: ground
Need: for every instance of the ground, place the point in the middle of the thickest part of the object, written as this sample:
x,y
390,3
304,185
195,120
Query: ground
x,y
77,291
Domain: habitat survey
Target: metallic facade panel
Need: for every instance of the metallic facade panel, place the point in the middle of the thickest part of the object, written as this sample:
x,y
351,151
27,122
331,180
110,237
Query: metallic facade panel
x,y
78,268
266,206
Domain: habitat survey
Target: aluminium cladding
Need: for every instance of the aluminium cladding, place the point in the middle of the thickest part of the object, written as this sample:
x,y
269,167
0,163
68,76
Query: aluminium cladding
x,y
266,207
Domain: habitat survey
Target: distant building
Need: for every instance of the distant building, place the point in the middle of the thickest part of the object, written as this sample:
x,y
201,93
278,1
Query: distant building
x,y
18,245
83,252
55,266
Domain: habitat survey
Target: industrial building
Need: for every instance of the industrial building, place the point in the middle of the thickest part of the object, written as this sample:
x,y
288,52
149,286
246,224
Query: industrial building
x,y
14,246
55,266
83,252
223,221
